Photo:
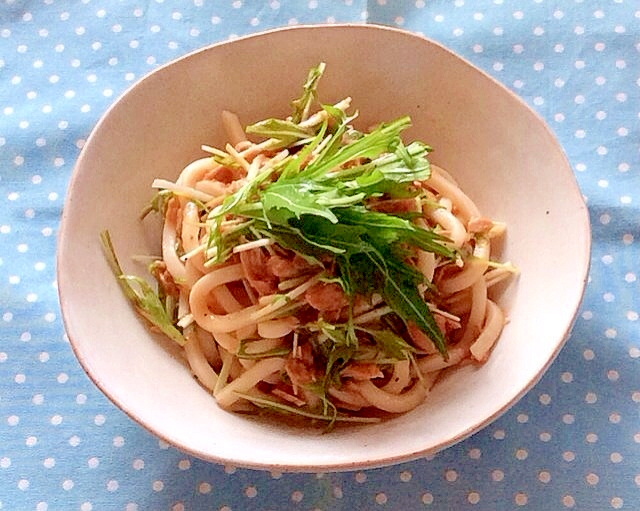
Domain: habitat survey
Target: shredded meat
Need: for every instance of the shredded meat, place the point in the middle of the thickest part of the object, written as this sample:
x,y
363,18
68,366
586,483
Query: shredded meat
x,y
165,279
422,340
300,367
225,174
395,206
479,224
326,296
256,271
419,338
287,268
362,371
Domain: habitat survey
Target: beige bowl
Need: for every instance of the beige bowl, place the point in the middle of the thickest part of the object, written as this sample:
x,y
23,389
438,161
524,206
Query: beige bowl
x,y
501,152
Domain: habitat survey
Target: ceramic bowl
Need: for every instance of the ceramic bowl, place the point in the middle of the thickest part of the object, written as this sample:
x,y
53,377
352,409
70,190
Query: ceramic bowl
x,y
500,151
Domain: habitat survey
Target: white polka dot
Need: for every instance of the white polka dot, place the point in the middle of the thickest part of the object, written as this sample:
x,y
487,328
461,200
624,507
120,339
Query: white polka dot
x,y
204,488
521,454
74,441
5,462
49,463
617,503
473,497
184,464
30,441
381,498
118,441
56,420
405,476
544,476
499,434
426,498
568,456
615,457
568,501
67,484
545,436
112,485
591,398
592,479
251,492
451,475
23,484
497,475
475,453
157,486
568,418
521,499
566,377
360,477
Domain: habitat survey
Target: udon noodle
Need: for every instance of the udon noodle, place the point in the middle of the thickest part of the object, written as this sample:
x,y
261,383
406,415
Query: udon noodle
x,y
266,326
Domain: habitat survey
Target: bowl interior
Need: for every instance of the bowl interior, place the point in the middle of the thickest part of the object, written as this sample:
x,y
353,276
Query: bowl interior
x,y
502,154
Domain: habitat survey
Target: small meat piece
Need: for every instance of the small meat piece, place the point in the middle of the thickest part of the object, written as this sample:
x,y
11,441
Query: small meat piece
x,y
361,371
395,206
256,271
300,367
326,296
479,225
287,268
420,339
225,175
165,279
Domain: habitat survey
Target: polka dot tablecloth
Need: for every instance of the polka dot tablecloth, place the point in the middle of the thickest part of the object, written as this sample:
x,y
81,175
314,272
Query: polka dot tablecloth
x,y
573,442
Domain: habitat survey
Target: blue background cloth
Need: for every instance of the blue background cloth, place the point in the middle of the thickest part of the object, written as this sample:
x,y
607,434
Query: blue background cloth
x,y
573,442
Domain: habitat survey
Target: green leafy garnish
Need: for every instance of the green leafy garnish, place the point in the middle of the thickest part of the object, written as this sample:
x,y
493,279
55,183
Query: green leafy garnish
x,y
146,301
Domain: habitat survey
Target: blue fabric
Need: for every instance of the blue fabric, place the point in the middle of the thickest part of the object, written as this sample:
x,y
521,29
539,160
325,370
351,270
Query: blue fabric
x,y
573,442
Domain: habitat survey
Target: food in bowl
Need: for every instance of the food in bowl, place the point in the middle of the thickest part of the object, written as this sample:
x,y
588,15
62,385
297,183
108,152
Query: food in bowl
x,y
319,271
503,155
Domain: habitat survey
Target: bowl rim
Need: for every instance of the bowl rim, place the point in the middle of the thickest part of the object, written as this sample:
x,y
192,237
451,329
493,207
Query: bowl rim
x,y
62,248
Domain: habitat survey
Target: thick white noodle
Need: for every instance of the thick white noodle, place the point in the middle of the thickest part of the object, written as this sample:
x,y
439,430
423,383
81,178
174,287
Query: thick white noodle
x,y
229,342
197,361
392,402
493,327
169,243
275,328
195,171
400,377
250,378
473,269
477,314
198,300
190,234
465,206
233,128
477,320
454,229
349,395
